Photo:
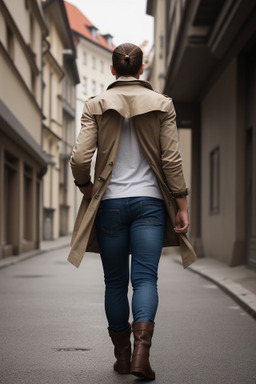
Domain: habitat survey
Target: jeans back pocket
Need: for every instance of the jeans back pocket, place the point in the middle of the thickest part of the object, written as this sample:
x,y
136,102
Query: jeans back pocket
x,y
152,212
109,220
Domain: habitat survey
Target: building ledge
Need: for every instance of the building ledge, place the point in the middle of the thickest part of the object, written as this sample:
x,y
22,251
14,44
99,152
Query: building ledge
x,y
11,127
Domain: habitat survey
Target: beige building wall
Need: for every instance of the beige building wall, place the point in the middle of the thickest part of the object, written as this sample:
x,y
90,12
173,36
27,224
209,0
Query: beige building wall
x,y
22,162
210,74
218,121
60,78
94,70
52,133
158,68
24,87
67,196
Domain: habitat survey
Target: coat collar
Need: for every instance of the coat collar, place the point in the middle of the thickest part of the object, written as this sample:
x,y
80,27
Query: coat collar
x,y
128,80
137,98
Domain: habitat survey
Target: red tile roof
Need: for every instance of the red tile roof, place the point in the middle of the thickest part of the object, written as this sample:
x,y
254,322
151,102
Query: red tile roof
x,y
81,25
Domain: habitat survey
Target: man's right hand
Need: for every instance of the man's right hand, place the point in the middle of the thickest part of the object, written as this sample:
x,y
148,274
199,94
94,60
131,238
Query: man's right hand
x,y
87,191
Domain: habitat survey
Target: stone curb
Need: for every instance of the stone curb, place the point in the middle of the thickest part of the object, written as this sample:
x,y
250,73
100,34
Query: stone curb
x,y
242,296
12,260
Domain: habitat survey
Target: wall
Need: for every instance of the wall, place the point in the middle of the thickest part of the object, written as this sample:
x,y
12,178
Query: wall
x,y
18,72
102,78
22,162
218,129
158,69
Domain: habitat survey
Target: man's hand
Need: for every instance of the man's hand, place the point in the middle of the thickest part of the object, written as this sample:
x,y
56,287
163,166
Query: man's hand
x,y
182,221
87,191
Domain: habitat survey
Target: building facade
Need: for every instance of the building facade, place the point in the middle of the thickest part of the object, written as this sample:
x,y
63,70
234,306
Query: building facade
x,y
60,76
67,191
155,71
156,74
94,57
22,161
211,74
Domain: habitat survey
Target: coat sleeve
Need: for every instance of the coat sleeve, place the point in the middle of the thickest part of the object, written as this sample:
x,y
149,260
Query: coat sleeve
x,y
170,154
85,147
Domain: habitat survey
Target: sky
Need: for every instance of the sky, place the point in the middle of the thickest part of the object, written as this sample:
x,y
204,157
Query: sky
x,y
126,20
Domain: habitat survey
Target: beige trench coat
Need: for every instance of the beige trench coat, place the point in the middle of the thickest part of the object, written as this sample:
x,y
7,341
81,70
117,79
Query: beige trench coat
x,y
155,123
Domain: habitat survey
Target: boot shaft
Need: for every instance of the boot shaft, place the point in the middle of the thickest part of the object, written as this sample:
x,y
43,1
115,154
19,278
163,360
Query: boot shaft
x,y
122,350
120,339
140,366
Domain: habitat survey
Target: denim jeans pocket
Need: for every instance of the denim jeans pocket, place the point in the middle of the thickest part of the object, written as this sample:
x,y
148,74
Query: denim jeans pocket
x,y
109,220
151,212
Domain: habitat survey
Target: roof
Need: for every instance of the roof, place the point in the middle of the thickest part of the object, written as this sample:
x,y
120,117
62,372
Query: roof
x,y
81,25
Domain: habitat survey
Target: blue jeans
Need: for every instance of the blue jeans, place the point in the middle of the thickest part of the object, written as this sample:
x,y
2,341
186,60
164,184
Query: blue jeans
x,y
130,225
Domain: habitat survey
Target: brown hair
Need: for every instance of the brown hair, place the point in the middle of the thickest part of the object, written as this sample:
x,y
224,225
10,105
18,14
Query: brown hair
x,y
127,59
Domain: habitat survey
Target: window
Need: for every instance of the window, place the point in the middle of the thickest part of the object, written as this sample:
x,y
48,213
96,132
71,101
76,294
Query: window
x,y
102,66
10,42
31,30
85,85
84,58
33,84
108,39
10,198
215,180
93,62
102,88
94,32
68,90
93,87
27,203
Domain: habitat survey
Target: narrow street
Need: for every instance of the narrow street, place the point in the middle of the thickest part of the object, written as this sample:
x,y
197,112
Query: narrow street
x,y
53,327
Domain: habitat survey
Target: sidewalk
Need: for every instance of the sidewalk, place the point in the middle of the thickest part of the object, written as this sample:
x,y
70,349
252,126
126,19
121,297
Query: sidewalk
x,y
237,282
45,246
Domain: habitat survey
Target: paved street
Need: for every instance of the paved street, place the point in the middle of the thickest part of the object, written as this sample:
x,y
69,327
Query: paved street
x,y
53,327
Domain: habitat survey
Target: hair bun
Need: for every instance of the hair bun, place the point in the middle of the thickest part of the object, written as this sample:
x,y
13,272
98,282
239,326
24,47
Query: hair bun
x,y
127,59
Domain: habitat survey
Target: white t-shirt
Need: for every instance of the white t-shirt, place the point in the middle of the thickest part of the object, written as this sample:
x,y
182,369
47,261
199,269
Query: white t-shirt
x,y
131,175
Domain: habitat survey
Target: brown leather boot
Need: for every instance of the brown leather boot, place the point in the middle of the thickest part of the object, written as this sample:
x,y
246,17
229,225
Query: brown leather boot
x,y
140,366
122,350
